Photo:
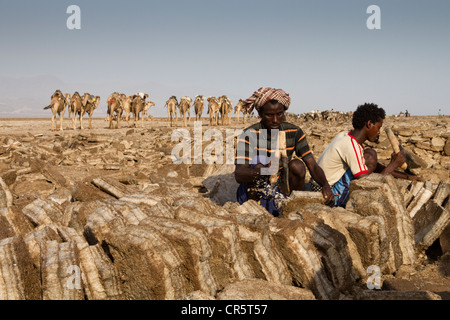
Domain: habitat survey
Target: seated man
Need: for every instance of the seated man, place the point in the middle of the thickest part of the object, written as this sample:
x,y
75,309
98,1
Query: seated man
x,y
345,158
254,150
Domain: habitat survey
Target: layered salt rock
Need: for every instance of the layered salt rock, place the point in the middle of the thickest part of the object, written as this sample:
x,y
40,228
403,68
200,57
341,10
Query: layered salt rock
x,y
331,245
100,221
61,271
19,278
228,261
36,237
302,258
431,213
190,241
15,221
254,229
171,242
43,211
100,278
430,222
258,289
150,267
331,230
378,195
6,199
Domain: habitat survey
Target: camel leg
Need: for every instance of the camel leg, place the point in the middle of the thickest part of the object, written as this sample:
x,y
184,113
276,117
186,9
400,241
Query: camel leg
x,y
74,121
61,116
127,117
90,121
53,120
68,118
111,121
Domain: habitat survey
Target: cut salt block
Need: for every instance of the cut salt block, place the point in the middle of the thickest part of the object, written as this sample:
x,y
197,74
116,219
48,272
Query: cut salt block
x,y
378,195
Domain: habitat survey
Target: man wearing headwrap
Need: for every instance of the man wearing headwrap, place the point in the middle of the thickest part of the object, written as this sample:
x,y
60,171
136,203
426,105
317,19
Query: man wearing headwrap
x,y
254,148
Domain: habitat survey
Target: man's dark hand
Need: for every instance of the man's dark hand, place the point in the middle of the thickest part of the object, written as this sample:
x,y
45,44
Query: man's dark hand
x,y
398,158
328,196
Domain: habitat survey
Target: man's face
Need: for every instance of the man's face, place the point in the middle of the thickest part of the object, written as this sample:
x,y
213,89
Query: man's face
x,y
272,115
373,133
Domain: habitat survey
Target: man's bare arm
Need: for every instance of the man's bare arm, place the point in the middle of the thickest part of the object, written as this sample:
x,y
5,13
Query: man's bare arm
x,y
244,173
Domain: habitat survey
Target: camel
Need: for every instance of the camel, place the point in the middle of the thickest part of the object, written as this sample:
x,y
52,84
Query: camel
x,y
76,107
213,110
240,108
137,106
147,107
114,102
224,108
90,104
87,103
69,109
198,107
184,106
67,96
171,105
58,105
126,105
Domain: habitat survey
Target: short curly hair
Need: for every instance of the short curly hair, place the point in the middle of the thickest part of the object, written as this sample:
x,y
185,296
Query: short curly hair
x,y
367,112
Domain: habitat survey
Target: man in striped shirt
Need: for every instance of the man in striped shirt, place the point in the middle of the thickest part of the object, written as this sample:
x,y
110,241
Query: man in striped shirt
x,y
257,144
345,159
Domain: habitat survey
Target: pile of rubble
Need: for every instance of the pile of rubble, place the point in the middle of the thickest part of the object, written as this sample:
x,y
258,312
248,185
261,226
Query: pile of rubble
x,y
109,216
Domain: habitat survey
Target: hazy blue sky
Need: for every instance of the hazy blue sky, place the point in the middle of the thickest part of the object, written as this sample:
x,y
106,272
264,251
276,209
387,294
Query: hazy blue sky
x,y
321,52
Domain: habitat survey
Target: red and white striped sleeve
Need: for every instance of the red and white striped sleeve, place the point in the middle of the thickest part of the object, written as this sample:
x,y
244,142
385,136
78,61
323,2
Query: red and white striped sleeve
x,y
355,158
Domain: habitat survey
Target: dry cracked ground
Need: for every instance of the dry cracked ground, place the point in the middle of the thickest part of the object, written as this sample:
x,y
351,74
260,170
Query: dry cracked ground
x,y
102,214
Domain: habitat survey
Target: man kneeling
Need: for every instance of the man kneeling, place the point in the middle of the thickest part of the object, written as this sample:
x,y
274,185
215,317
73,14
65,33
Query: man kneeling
x,y
254,150
345,159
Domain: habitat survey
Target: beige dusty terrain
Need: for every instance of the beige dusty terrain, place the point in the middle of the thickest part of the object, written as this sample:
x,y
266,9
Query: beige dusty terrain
x,y
142,157
415,134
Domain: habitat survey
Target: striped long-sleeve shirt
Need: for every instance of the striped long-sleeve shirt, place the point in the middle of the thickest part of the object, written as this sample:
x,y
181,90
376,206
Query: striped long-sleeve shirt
x,y
257,140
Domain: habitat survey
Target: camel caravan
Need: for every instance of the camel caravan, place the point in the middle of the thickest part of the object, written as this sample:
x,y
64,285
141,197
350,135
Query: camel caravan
x,y
218,109
117,104
121,107
135,105
77,106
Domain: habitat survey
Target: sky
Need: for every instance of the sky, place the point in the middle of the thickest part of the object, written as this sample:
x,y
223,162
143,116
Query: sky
x,y
320,52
